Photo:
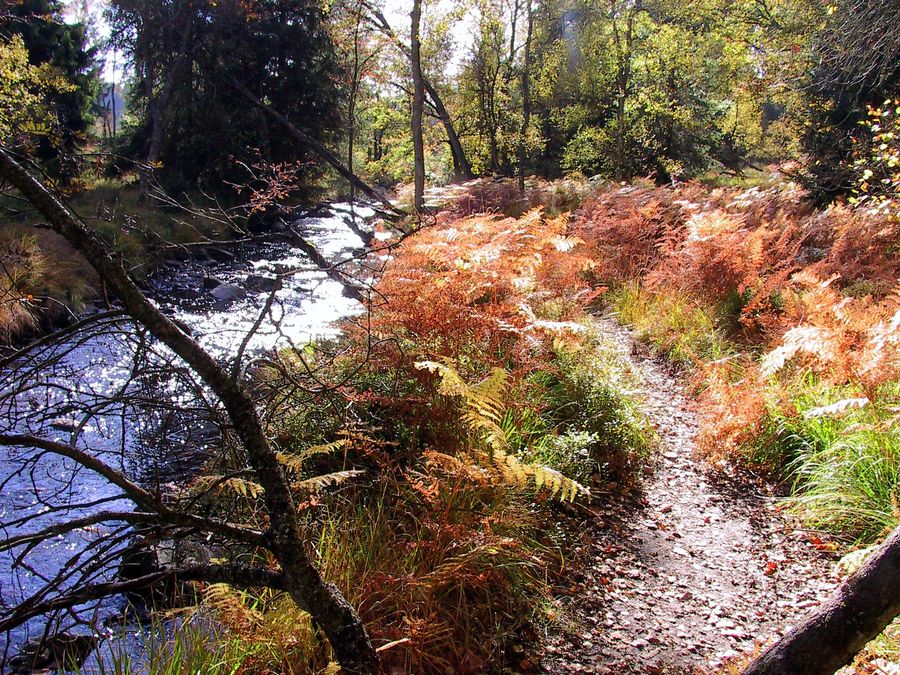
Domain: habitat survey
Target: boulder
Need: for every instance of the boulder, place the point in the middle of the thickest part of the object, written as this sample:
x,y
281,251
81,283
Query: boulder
x,y
211,282
228,292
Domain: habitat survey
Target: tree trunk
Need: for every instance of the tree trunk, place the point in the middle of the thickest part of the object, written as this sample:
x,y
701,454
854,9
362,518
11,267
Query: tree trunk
x,y
526,97
324,602
461,165
623,80
158,103
857,612
417,106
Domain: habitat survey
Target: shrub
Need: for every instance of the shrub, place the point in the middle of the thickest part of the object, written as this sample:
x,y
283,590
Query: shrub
x,y
592,398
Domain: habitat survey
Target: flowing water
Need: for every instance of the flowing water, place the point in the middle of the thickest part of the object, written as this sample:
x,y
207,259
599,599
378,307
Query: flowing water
x,y
132,410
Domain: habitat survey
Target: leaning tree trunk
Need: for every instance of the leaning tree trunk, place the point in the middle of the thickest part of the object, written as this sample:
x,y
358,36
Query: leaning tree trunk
x,y
461,166
526,99
418,104
324,602
858,611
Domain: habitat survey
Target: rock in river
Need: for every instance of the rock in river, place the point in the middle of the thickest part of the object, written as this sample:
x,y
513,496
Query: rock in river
x,y
261,284
228,292
62,652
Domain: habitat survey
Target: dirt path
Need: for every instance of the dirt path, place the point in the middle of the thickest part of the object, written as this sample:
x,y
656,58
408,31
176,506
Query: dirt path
x,y
696,575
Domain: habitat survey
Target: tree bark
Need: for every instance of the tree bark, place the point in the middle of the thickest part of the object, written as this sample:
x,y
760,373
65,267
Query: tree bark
x,y
624,56
157,103
417,106
858,611
284,537
526,97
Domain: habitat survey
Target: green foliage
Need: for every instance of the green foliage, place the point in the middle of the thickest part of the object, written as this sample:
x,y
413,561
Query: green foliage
x,y
589,151
844,459
483,413
67,73
196,645
569,453
278,50
674,323
848,79
591,397
877,163
24,89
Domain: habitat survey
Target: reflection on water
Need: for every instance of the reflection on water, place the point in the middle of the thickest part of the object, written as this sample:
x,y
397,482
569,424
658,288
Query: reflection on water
x,y
127,400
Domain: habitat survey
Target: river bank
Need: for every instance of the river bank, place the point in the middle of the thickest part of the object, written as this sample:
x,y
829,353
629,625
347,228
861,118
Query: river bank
x,y
100,387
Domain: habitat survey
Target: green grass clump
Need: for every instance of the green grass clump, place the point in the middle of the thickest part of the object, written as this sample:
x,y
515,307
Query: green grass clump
x,y
675,325
174,647
846,466
591,399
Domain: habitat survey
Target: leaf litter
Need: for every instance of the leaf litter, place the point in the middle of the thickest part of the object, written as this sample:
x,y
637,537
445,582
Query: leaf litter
x,y
698,570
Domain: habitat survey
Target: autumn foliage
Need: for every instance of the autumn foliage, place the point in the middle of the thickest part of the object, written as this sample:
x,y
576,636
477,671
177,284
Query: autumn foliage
x,y
791,291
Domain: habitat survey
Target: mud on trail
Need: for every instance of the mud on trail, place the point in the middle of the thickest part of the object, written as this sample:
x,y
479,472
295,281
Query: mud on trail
x,y
697,573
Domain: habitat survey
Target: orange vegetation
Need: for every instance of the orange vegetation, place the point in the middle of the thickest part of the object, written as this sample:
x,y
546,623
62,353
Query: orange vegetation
x,y
815,291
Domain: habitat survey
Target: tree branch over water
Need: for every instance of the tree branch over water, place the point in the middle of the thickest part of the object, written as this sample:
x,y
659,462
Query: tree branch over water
x,y
284,536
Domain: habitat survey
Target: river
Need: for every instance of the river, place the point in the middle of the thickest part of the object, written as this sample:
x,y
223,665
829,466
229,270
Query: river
x,y
78,387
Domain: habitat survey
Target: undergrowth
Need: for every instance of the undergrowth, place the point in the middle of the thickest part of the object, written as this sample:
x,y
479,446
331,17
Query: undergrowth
x,y
44,281
787,320
431,450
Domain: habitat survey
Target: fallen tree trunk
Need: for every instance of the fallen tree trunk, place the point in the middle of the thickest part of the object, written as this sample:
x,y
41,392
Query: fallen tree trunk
x,y
317,148
858,611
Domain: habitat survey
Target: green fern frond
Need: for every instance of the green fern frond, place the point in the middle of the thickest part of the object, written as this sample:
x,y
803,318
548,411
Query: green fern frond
x,y
483,413
319,483
294,461
243,487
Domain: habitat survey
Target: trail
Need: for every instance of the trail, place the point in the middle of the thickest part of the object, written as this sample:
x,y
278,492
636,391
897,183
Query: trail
x,y
696,573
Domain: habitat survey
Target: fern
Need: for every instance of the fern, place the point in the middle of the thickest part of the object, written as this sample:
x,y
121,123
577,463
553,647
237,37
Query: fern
x,y
519,473
229,605
319,483
241,486
294,461
483,412
483,403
